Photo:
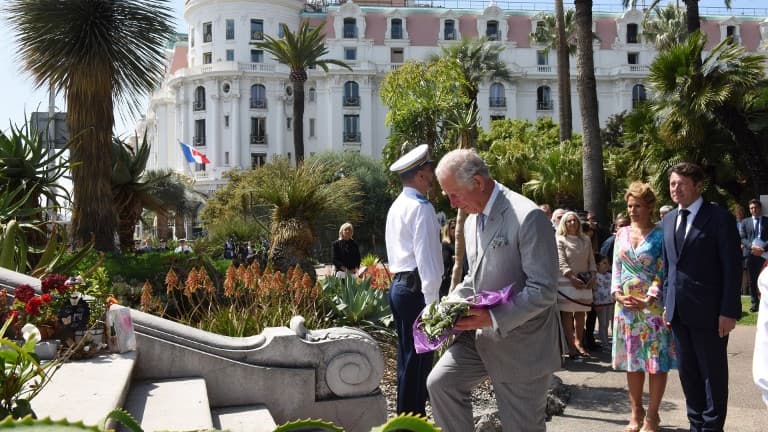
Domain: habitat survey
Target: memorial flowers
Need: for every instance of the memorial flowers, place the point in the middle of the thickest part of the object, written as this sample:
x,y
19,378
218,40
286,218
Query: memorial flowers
x,y
28,307
436,322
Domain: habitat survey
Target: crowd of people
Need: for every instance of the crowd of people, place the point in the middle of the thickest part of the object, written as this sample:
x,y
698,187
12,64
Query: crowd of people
x,y
669,290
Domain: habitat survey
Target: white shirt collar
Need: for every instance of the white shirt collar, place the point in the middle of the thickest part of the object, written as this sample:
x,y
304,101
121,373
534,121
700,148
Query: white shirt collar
x,y
693,208
491,199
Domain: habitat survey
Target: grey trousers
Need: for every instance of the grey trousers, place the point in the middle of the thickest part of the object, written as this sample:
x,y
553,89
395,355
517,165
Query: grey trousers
x,y
521,398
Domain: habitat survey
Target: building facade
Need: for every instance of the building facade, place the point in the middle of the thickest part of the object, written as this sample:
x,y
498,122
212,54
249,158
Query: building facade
x,y
232,101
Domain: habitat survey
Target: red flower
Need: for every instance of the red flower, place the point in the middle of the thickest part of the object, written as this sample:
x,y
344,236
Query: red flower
x,y
46,298
33,306
24,293
54,282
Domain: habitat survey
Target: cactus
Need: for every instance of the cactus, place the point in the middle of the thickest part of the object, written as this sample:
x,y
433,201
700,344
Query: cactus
x,y
403,422
28,424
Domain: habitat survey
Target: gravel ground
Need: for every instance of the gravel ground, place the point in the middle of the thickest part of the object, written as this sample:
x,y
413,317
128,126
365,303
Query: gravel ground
x,y
483,397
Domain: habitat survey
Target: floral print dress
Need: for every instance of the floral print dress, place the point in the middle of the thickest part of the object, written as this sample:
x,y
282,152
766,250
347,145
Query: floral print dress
x,y
641,340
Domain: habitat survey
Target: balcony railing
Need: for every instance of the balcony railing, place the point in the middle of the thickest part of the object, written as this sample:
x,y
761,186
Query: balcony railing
x,y
497,102
351,101
396,33
257,35
258,103
350,33
258,139
545,105
493,36
198,141
638,68
198,106
351,137
544,68
450,35
207,37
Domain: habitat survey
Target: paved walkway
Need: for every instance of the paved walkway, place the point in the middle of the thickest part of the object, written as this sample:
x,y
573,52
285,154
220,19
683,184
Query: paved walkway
x,y
599,401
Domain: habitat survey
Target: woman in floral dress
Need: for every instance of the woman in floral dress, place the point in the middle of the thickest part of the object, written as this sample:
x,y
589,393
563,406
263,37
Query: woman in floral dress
x,y
641,341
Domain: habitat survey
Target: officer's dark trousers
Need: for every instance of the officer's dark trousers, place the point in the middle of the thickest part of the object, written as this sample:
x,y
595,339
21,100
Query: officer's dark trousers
x,y
406,302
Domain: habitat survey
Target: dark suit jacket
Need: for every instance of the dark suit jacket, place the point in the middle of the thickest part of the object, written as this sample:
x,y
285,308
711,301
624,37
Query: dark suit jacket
x,y
747,233
704,281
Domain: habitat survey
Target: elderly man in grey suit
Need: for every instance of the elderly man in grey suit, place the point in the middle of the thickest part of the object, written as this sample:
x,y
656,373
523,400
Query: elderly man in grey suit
x,y
517,344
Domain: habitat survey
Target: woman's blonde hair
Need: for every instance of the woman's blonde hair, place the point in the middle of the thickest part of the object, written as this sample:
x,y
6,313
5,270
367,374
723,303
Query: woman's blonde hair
x,y
561,230
641,191
344,226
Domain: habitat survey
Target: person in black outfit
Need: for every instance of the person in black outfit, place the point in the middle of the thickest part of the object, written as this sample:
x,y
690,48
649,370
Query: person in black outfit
x,y
448,241
345,253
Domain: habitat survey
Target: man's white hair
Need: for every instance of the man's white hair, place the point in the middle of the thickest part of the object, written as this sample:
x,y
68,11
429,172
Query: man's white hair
x,y
463,165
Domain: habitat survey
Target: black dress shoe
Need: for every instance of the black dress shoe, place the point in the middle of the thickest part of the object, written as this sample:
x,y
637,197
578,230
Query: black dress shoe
x,y
754,309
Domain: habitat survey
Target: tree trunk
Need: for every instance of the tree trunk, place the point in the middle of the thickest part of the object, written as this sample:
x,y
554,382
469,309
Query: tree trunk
x,y
181,229
692,19
592,159
298,120
90,123
459,245
162,226
563,76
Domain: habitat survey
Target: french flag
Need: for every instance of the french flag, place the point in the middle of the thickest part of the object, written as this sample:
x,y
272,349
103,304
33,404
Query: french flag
x,y
192,155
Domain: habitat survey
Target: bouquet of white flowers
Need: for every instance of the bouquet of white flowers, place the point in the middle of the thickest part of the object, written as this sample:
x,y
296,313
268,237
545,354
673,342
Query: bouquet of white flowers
x,y
436,322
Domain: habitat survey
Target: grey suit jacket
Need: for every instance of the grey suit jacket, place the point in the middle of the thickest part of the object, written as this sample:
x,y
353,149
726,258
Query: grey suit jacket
x,y
517,246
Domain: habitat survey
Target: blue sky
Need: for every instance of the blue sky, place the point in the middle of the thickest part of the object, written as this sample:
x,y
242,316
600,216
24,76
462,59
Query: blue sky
x,y
20,95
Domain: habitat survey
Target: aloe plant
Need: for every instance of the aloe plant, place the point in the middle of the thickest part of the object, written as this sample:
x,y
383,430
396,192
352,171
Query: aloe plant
x,y
357,303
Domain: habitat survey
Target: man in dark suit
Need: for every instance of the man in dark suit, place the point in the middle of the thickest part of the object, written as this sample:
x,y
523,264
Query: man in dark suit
x,y
754,234
701,294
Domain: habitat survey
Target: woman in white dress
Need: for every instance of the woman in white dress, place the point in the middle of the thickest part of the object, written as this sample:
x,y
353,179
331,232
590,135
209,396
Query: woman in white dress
x,y
577,280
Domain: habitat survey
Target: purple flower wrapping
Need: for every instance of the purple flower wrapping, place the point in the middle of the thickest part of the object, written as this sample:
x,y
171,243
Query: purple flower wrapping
x,y
483,300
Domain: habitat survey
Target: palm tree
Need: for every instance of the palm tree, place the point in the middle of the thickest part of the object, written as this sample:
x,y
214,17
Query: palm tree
x,y
131,190
592,156
99,53
665,27
556,28
302,199
177,196
704,104
479,62
299,51
692,17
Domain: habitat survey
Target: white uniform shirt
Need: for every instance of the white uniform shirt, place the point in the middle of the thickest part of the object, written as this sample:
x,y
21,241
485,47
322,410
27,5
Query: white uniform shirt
x,y
413,241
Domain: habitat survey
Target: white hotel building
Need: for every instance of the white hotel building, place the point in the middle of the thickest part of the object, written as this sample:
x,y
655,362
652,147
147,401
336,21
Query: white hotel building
x,y
233,102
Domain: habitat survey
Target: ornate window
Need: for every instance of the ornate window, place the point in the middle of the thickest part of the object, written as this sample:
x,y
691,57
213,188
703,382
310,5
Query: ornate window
x,y
257,29
258,96
351,128
543,99
258,130
497,98
199,138
638,95
351,94
230,30
199,102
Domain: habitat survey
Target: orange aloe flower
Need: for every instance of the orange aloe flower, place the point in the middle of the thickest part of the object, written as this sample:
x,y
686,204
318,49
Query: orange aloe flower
x,y
146,297
171,280
189,286
230,281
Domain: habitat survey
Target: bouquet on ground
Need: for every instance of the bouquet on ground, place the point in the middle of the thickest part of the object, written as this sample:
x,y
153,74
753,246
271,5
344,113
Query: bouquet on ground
x,y
436,322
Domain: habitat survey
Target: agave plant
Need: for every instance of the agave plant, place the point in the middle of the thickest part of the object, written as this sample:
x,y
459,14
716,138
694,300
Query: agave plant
x,y
357,303
26,162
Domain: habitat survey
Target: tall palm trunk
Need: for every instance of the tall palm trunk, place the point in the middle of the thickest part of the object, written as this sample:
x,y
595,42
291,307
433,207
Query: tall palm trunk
x,y
564,109
692,18
162,226
298,118
593,177
180,226
291,245
90,119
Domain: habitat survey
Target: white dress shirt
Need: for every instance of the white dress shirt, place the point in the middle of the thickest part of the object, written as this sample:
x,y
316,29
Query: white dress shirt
x,y
413,241
693,209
